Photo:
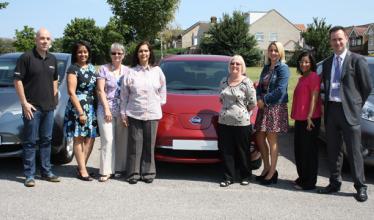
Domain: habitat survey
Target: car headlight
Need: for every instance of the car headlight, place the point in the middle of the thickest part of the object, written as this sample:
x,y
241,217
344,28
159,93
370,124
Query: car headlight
x,y
368,111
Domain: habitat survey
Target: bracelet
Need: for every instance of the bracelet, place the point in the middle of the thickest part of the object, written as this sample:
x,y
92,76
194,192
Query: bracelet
x,y
82,114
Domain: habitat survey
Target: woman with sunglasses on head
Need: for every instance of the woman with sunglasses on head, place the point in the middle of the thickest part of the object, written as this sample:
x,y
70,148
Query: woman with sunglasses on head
x,y
142,94
272,116
113,134
80,116
238,98
306,111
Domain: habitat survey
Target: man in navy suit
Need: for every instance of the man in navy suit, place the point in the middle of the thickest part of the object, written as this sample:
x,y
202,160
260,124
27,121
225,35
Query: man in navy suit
x,y
347,84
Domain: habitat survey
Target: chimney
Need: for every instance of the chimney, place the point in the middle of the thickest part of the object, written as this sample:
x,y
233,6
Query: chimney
x,y
213,19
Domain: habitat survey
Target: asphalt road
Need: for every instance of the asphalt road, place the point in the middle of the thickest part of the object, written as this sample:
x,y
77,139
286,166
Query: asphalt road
x,y
179,192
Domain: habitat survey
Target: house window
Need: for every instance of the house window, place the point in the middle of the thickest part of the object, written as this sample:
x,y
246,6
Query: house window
x,y
371,41
359,41
353,42
273,37
260,36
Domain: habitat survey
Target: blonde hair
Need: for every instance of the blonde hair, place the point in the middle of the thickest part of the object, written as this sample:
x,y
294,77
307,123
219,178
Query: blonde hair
x,y
280,48
241,61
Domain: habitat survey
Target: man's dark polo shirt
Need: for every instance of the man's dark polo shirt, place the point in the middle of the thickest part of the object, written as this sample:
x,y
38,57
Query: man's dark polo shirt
x,y
37,75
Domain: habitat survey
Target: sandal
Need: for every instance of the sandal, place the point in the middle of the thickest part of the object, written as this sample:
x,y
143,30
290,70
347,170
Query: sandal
x,y
225,183
104,178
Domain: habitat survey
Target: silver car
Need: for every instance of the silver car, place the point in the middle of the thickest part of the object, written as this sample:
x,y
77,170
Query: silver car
x,y
367,120
11,112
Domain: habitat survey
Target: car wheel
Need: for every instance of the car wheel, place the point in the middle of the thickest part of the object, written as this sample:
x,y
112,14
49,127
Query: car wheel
x,y
66,154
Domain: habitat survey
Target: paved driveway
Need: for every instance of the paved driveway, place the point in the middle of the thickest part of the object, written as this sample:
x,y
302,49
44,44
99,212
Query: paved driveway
x,y
179,192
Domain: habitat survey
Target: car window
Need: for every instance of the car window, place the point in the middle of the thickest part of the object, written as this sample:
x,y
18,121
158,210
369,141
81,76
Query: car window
x,y
194,75
371,67
7,67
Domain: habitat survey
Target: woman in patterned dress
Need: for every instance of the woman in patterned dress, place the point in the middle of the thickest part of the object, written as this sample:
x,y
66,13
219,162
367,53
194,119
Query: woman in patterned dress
x,y
80,116
238,98
113,134
272,117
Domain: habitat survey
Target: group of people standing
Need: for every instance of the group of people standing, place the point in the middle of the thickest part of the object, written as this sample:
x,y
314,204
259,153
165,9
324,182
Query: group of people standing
x,y
123,105
347,84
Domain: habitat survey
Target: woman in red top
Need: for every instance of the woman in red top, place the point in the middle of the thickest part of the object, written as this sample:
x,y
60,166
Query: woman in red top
x,y
306,111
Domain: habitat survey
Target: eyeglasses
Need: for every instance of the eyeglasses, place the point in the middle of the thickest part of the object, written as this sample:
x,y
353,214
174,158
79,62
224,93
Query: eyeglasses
x,y
235,63
114,53
303,62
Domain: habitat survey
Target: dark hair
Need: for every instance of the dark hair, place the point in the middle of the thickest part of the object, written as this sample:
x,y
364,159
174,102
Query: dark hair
x,y
135,58
308,54
335,29
75,50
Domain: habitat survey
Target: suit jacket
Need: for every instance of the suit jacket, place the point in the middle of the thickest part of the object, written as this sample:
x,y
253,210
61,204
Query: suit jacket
x,y
355,85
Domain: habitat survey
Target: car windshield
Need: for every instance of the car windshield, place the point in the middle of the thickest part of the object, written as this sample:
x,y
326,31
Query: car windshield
x,y
6,72
7,67
194,75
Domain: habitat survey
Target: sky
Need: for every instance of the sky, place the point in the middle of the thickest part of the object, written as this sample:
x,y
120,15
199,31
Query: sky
x,y
56,14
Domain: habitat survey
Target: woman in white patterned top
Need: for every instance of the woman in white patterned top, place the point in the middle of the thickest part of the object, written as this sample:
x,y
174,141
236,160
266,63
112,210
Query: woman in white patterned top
x,y
142,94
238,98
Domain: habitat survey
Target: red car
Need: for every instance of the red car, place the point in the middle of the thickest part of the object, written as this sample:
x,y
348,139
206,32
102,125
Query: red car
x,y
187,131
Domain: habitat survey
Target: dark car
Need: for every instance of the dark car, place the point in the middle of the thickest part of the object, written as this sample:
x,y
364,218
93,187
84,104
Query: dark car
x,y
187,133
367,120
11,111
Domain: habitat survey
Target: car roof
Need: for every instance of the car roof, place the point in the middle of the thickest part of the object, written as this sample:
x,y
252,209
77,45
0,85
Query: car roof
x,y
18,54
197,57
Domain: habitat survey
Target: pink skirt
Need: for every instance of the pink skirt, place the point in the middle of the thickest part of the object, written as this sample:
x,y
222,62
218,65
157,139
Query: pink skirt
x,y
272,118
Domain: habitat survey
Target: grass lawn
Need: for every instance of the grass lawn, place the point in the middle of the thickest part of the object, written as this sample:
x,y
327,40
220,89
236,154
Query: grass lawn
x,y
254,75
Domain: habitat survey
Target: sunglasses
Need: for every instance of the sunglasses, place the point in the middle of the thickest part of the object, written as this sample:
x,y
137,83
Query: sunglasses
x,y
114,53
235,63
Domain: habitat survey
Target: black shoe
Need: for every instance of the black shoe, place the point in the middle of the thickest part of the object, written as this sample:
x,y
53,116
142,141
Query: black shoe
x,y
84,178
272,180
148,180
51,178
133,181
260,178
225,183
361,195
329,189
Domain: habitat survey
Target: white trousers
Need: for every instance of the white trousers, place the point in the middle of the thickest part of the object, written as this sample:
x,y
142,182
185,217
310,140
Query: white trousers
x,y
113,151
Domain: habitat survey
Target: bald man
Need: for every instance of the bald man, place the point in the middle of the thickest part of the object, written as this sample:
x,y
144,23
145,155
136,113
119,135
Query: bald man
x,y
35,80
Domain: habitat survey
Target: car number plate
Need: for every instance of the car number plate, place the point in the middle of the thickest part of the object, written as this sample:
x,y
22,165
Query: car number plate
x,y
194,145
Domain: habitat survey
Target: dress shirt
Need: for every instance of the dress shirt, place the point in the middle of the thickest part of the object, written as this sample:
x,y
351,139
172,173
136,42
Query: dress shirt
x,y
336,84
143,92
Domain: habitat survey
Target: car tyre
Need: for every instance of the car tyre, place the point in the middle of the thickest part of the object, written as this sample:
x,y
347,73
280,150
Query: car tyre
x,y
66,154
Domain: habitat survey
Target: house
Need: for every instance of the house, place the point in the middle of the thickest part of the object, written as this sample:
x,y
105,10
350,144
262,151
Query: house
x,y
272,26
266,26
361,38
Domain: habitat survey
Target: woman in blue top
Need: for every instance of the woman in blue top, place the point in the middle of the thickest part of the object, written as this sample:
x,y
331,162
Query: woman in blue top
x,y
272,117
80,121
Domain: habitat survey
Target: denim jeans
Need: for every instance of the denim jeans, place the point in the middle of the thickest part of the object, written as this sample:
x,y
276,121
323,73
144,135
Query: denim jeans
x,y
37,131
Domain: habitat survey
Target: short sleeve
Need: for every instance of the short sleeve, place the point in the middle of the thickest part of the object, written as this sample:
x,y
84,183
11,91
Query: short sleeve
x,y
73,69
315,83
21,67
101,74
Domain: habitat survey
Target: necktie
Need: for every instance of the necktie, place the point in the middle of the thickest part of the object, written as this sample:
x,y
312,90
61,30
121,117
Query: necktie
x,y
336,80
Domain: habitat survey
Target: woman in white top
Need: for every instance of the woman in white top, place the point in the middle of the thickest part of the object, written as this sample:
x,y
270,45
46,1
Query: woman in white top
x,y
238,98
142,94
113,134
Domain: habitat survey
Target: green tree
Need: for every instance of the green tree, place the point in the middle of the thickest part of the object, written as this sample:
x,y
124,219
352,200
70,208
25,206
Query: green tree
x,y
6,46
3,4
146,18
231,36
56,45
317,38
25,39
84,29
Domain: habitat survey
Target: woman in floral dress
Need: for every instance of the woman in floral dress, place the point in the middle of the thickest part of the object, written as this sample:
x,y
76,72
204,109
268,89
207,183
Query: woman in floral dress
x,y
80,117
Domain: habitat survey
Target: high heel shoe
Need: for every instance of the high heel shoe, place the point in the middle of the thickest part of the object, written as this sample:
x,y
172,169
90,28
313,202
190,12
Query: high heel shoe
x,y
272,180
261,177
84,178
